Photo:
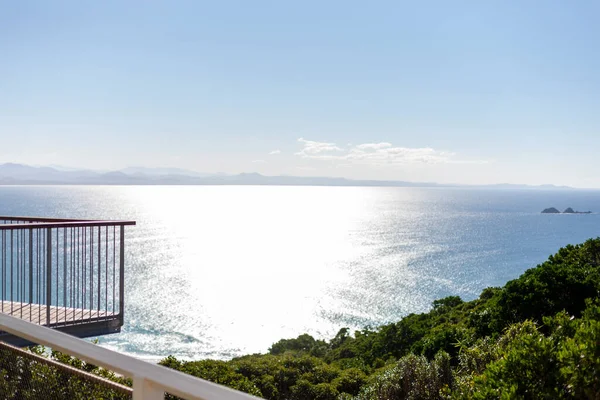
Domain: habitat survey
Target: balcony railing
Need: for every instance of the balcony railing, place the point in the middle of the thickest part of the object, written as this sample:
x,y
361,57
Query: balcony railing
x,y
63,273
150,381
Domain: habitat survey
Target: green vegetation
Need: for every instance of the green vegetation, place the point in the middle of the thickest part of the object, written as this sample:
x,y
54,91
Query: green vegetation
x,y
538,337
25,377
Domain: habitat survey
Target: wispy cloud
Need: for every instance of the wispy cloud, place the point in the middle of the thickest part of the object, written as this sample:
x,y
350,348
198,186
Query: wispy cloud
x,y
312,148
274,152
378,154
258,161
374,146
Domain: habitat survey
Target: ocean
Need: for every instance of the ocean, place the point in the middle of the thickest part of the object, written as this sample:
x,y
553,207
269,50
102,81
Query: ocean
x,y
221,271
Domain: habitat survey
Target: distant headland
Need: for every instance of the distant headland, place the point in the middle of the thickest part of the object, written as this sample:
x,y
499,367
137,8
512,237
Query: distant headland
x,y
569,210
21,174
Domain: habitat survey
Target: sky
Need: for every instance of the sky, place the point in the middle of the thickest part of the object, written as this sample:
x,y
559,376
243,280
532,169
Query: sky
x,y
456,91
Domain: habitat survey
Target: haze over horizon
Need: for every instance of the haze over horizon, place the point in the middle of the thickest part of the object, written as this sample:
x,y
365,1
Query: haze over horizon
x,y
449,92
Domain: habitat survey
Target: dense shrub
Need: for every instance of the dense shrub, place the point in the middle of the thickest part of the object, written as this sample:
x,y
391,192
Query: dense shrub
x,y
23,377
412,377
564,282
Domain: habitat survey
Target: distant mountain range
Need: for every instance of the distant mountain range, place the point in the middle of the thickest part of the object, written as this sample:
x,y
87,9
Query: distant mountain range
x,y
19,174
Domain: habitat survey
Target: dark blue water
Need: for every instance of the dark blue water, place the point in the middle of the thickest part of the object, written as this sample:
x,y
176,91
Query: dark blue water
x,y
222,271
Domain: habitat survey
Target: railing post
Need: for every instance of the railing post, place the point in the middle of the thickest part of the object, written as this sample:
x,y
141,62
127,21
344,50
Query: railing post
x,y
99,265
31,266
48,273
122,275
143,389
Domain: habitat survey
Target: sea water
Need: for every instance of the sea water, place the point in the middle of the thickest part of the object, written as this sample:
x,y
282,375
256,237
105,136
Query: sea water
x,y
220,271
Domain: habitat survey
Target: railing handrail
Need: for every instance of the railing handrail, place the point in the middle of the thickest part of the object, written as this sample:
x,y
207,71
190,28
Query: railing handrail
x,y
65,224
39,219
150,381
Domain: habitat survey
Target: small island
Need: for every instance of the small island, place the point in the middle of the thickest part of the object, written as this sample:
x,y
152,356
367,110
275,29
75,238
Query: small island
x,y
569,210
550,210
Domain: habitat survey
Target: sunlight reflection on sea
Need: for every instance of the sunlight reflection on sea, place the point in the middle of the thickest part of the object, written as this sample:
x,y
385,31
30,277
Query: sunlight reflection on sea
x,y
219,271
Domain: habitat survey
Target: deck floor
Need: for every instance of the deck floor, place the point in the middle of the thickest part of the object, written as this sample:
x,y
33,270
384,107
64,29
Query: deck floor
x,y
36,313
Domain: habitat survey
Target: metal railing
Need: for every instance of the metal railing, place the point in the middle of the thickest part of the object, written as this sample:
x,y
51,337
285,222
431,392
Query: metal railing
x,y
63,272
150,381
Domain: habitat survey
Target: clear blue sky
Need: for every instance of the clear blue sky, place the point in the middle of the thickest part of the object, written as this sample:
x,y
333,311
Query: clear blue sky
x,y
448,91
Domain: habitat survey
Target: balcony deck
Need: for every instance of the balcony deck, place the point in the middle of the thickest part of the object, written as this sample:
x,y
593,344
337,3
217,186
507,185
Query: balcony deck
x,y
64,274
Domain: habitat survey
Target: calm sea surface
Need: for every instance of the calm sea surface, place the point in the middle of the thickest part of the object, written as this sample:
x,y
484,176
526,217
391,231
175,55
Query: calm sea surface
x,y
219,271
